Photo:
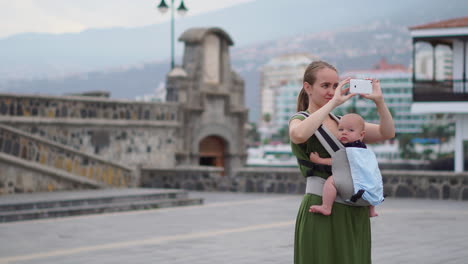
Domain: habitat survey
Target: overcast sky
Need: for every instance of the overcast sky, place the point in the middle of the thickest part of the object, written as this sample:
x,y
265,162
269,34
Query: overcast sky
x,y
60,16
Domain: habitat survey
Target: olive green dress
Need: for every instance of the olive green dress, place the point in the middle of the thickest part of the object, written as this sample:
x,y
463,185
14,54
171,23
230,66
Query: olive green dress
x,y
344,237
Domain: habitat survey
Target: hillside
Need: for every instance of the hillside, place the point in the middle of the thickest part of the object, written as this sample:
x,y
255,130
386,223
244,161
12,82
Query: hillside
x,y
348,48
41,55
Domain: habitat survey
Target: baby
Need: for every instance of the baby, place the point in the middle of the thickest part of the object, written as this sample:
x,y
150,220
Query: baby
x,y
351,133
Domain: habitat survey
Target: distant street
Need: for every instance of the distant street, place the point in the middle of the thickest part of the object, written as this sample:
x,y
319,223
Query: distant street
x,y
231,228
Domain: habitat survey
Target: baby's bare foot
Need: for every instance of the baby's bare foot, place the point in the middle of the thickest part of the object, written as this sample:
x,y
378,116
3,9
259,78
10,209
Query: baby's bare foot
x,y
373,214
320,209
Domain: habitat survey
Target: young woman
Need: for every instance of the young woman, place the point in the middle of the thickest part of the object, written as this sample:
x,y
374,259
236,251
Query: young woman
x,y
345,235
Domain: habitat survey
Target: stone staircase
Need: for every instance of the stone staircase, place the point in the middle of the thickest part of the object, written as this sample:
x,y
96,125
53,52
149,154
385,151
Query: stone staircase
x,y
19,207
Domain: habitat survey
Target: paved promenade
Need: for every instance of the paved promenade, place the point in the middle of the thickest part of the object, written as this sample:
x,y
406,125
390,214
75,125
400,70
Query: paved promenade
x,y
231,228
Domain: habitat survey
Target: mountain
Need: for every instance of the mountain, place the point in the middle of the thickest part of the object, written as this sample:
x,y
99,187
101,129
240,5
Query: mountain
x,y
33,55
349,48
132,62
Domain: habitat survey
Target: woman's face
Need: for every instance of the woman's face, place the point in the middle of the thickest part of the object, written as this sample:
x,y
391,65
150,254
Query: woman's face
x,y
324,87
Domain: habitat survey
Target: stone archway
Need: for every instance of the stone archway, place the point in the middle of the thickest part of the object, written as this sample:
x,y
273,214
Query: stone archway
x,y
211,152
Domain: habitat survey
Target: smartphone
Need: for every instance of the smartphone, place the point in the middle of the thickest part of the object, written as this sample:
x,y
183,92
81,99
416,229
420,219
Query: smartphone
x,y
360,86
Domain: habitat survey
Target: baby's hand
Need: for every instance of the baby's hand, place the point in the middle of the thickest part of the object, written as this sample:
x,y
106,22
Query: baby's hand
x,y
314,157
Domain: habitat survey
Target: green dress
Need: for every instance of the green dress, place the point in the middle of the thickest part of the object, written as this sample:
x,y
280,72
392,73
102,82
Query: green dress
x,y
344,237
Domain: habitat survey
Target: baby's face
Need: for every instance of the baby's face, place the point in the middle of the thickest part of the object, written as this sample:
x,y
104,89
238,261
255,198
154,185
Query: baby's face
x,y
349,130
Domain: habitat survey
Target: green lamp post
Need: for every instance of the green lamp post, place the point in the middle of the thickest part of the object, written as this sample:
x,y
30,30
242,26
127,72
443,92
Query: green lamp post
x,y
182,10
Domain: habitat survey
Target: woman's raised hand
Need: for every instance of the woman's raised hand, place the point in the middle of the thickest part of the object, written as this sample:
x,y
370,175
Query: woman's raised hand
x,y
376,94
340,94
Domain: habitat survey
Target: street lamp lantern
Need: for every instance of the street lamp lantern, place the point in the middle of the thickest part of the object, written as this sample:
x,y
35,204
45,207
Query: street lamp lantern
x,y
182,10
163,7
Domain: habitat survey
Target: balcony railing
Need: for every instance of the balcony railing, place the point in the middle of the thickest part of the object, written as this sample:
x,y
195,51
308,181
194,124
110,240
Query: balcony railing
x,y
440,91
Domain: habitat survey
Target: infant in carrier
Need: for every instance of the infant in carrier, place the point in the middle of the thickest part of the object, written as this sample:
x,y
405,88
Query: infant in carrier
x,y
351,133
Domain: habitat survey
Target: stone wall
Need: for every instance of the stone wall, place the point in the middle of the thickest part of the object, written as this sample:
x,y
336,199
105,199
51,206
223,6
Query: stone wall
x,y
426,184
20,176
121,131
415,184
80,107
16,144
125,144
200,178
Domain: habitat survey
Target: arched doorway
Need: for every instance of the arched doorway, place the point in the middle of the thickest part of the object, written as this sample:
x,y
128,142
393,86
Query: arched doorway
x,y
212,149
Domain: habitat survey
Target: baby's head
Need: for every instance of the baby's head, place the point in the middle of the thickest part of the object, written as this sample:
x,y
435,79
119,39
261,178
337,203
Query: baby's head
x,y
351,128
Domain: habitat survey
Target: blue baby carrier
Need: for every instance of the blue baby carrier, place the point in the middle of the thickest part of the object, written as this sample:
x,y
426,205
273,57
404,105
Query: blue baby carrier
x,y
355,171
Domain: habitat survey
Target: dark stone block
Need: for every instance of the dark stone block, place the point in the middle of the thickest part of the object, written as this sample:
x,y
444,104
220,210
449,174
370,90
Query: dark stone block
x,y
445,192
454,182
19,110
292,188
433,192
16,149
200,186
100,138
64,111
281,188
7,146
260,187
249,186
302,187
409,182
403,191
3,109
388,190
271,188
465,194
420,193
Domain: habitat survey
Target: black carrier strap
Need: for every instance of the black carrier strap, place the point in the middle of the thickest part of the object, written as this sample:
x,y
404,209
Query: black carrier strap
x,y
314,167
329,140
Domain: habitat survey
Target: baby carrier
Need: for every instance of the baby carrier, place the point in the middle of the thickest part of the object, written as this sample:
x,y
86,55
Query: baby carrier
x,y
355,171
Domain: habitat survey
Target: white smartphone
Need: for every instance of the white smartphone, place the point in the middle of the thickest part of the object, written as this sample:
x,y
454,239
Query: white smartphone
x,y
360,86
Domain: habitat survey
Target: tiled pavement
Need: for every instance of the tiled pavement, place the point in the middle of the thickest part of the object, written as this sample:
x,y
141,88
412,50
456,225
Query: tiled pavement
x,y
231,228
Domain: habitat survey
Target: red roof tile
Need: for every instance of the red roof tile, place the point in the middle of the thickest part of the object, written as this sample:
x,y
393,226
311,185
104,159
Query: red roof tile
x,y
451,23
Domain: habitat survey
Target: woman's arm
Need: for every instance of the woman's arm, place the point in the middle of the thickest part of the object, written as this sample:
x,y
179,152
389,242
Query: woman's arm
x,y
386,127
300,131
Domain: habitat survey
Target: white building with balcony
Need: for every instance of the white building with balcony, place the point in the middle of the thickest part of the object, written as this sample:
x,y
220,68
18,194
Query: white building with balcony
x,y
439,80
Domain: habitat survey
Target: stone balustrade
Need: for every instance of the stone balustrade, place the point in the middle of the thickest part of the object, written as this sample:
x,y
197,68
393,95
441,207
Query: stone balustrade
x,y
42,151
82,107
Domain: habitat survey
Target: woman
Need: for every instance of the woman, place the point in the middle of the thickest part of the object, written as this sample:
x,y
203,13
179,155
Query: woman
x,y
345,235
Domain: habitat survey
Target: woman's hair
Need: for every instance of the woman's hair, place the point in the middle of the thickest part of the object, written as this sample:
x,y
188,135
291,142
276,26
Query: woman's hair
x,y
310,76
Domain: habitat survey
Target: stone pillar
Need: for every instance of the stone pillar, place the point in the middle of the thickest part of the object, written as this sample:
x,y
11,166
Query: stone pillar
x,y
461,131
211,98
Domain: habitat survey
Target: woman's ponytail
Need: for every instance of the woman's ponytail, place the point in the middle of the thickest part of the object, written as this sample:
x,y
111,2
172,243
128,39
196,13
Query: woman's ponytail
x,y
302,100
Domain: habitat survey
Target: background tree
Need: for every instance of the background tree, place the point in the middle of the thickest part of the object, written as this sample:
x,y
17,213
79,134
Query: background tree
x,y
252,135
